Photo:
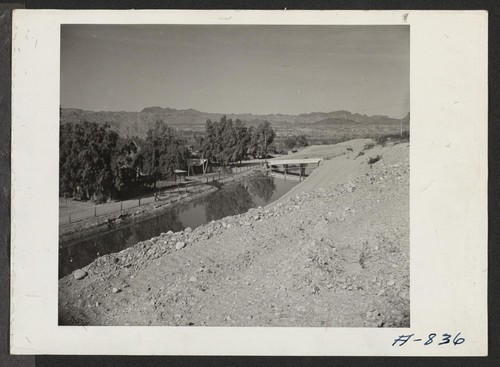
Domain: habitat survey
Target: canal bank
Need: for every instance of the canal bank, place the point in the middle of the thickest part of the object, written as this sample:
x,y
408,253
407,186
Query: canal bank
x,y
336,256
235,197
87,227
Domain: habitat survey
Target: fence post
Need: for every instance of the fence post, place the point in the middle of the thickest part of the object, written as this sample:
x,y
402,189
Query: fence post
x,y
139,201
121,205
70,217
95,210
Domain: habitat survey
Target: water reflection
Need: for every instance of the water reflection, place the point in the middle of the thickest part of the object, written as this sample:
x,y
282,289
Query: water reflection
x,y
263,189
234,199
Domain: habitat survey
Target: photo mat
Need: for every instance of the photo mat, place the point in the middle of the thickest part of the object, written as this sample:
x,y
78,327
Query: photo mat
x,y
421,211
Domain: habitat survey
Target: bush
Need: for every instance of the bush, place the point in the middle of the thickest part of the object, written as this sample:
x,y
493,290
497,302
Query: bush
x,y
374,160
360,154
384,139
369,146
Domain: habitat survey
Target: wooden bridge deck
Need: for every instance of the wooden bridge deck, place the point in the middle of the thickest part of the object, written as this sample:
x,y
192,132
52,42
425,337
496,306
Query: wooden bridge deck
x,y
296,161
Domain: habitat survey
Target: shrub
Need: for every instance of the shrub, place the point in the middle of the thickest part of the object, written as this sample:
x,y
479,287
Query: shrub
x,y
384,139
369,146
374,160
360,154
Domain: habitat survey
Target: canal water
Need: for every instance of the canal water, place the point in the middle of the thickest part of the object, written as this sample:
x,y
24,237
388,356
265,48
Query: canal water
x,y
233,199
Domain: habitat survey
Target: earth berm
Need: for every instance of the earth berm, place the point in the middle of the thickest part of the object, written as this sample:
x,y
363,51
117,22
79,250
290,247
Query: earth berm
x,y
333,252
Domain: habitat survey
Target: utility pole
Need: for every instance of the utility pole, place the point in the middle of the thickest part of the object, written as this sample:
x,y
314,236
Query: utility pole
x,y
265,148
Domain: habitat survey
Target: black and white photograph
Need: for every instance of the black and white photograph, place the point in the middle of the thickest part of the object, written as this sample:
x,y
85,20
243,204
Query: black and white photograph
x,y
234,175
249,183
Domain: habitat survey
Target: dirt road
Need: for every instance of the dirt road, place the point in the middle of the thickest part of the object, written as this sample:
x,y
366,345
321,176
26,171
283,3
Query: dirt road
x,y
333,252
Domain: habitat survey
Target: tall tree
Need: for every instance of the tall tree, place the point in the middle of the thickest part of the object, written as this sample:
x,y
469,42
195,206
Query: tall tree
x,y
163,152
224,141
262,139
241,140
85,154
123,160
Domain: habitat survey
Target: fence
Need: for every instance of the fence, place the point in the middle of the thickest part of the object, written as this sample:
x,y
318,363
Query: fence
x,y
185,187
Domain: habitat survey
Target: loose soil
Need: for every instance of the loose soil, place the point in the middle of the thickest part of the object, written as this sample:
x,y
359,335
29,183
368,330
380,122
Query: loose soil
x,y
333,252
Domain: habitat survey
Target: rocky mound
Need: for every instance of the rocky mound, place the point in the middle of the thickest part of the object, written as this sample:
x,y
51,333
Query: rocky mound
x,y
335,256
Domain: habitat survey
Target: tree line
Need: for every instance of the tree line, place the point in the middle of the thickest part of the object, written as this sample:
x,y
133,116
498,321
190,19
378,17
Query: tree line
x,y
296,141
94,161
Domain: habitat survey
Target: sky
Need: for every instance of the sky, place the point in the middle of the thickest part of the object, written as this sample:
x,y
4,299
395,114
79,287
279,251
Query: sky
x,y
255,69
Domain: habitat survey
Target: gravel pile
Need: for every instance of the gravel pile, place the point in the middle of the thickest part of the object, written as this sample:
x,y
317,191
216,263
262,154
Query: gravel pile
x,y
336,256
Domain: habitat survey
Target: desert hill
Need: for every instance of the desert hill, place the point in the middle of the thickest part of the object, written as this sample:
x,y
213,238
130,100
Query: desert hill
x,y
137,123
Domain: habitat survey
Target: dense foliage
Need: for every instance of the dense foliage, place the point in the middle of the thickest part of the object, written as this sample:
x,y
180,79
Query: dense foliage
x,y
87,151
262,139
227,141
96,162
296,141
164,150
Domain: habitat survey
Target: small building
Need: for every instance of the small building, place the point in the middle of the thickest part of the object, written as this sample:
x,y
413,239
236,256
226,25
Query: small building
x,y
197,166
181,174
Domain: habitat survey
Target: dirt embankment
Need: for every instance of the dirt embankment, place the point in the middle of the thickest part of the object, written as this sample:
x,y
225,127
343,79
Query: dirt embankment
x,y
333,252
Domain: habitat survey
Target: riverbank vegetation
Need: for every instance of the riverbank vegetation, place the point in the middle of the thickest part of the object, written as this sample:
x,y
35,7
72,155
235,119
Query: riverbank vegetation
x,y
227,141
97,163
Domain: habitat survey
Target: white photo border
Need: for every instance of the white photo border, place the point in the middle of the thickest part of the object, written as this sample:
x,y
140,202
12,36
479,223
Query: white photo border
x,y
448,194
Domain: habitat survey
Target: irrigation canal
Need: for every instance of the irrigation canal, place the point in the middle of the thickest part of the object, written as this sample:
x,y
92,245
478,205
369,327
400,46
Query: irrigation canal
x,y
229,200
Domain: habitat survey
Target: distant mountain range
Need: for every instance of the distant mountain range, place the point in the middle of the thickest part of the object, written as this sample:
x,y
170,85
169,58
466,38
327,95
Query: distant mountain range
x,y
137,123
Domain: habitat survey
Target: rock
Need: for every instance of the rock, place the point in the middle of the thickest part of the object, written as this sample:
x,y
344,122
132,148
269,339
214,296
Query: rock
x,y
170,233
404,295
256,217
188,230
80,274
341,280
116,290
391,282
381,293
179,245
193,279
248,223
